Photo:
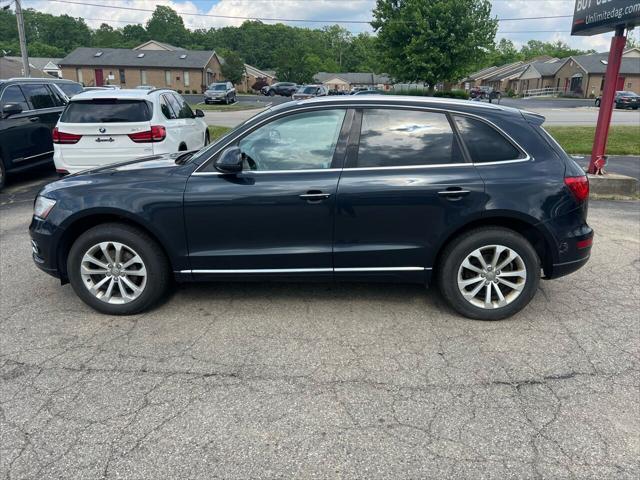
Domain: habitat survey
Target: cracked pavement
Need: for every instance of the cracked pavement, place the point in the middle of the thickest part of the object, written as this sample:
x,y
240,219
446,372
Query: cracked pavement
x,y
320,380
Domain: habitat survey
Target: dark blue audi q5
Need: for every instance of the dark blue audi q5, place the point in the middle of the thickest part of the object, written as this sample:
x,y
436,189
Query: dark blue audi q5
x,y
475,198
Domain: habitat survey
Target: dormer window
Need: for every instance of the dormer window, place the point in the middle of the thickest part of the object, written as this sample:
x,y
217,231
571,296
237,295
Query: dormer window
x,y
97,54
140,55
183,56
604,62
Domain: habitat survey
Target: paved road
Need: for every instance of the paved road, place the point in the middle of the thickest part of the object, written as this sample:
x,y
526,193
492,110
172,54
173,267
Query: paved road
x,y
319,380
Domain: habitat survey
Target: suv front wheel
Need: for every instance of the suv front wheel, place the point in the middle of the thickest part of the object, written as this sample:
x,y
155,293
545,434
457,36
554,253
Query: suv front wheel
x,y
118,269
489,273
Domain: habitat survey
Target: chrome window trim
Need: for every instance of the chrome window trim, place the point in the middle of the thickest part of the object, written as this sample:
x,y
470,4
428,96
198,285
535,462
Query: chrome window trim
x,y
442,110
264,172
409,167
306,270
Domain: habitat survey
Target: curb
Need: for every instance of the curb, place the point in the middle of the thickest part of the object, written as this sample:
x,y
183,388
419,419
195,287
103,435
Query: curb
x,y
613,185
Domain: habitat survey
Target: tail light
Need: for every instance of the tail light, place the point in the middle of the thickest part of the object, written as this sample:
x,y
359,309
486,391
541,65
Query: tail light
x,y
65,138
579,186
157,133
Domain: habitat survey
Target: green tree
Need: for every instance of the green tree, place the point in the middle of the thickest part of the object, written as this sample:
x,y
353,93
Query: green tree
x,y
107,37
433,41
233,67
165,25
135,34
536,48
504,52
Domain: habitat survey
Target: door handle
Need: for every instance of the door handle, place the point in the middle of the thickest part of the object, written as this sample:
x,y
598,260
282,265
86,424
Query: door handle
x,y
314,196
454,193
34,119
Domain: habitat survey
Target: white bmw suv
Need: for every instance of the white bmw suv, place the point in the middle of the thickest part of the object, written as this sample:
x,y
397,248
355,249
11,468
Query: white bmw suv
x,y
102,127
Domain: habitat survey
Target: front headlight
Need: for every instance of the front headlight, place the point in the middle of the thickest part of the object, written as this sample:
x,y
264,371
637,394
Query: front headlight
x,y
42,207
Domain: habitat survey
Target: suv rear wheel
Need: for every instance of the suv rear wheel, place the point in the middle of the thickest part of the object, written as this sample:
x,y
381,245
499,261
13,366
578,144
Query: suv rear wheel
x,y
118,269
489,273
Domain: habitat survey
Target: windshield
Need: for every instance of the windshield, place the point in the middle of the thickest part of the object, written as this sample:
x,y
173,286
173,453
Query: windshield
x,y
220,86
107,110
628,94
308,90
70,89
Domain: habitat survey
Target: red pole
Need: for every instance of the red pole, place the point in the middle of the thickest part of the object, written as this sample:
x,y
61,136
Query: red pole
x,y
598,158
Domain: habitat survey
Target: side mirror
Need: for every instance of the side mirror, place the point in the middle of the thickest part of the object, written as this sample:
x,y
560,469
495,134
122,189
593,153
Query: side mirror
x,y
9,109
199,113
230,160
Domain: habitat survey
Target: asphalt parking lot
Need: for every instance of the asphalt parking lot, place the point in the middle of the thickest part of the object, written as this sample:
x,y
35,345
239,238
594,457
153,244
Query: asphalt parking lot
x,y
321,380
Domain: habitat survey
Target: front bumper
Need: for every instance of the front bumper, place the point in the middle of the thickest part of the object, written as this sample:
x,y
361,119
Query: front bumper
x,y
43,251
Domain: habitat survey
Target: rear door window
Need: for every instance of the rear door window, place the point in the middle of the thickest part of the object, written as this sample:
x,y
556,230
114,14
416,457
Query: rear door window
x,y
13,94
183,108
107,111
485,143
166,108
395,138
58,98
38,95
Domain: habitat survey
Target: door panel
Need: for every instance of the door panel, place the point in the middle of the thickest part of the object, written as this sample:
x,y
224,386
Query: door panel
x,y
258,220
396,217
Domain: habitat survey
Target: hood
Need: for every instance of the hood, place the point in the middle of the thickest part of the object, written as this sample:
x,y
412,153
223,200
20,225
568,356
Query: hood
x,y
154,165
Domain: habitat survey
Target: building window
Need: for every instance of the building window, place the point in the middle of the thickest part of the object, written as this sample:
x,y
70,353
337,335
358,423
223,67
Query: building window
x,y
143,77
185,75
79,75
167,77
122,77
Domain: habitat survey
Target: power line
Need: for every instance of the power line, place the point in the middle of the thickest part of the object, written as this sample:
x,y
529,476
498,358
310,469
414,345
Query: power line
x,y
300,20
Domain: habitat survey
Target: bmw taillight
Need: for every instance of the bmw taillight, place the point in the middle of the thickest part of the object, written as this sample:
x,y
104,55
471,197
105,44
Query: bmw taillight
x,y
579,186
157,133
64,137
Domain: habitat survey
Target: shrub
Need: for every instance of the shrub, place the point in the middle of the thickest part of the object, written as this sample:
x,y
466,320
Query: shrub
x,y
259,83
510,93
179,91
461,94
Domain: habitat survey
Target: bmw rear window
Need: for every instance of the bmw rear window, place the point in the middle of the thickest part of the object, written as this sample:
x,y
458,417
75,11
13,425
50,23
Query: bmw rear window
x,y
107,110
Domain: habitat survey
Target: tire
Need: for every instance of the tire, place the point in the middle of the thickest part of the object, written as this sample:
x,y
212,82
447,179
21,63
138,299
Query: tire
x,y
3,174
152,259
451,269
271,93
207,139
598,103
226,100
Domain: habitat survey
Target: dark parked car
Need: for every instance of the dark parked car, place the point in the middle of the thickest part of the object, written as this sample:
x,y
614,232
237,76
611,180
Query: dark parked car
x,y
29,110
310,91
624,100
474,197
284,89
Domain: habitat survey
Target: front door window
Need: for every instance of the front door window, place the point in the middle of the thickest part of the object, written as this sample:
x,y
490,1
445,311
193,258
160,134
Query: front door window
x,y
303,141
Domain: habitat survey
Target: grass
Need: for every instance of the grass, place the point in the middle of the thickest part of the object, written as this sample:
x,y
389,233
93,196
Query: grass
x,y
623,139
221,107
216,131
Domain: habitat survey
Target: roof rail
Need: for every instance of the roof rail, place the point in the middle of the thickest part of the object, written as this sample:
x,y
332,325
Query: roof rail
x,y
158,89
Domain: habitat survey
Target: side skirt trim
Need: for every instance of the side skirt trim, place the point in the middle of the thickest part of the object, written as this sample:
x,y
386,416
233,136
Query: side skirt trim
x,y
308,270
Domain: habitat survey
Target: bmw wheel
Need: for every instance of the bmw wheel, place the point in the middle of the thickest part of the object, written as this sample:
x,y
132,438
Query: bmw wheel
x,y
118,269
489,273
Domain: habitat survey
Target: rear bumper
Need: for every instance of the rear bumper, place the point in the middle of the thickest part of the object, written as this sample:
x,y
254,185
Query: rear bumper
x,y
574,251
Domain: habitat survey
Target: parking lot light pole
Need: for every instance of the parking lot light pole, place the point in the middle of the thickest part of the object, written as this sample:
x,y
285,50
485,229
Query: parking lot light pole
x,y
598,158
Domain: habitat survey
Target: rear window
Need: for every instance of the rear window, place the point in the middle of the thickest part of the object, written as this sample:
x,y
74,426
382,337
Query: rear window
x,y
107,111
70,89
485,144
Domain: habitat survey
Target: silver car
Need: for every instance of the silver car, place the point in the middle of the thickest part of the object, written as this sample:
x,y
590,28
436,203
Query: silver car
x,y
309,91
223,92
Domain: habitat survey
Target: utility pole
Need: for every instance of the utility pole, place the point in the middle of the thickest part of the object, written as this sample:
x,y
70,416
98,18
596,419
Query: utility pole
x,y
23,41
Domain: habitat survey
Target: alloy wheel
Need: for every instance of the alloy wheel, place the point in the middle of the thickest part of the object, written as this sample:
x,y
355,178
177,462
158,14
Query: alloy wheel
x,y
113,272
492,276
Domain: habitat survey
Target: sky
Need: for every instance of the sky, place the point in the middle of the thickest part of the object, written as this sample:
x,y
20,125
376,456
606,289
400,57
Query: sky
x,y
94,12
